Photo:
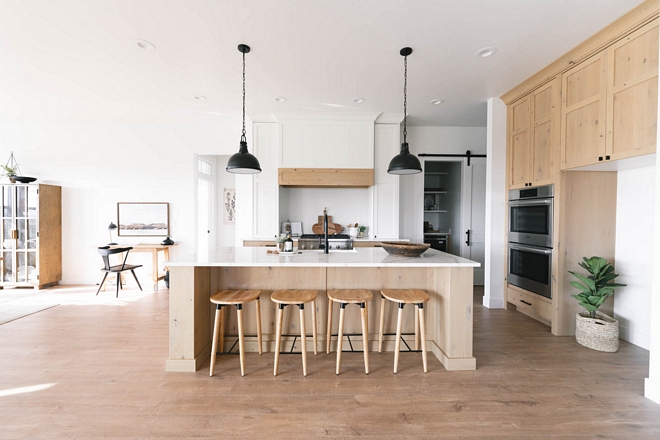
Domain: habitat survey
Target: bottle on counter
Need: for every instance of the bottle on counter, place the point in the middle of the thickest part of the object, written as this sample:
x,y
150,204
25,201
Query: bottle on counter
x,y
288,244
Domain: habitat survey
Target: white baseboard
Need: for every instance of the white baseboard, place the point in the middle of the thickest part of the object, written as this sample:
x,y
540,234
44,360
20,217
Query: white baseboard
x,y
634,337
652,390
493,303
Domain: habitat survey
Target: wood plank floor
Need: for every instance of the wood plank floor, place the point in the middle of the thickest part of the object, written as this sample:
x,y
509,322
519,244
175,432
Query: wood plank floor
x,y
94,367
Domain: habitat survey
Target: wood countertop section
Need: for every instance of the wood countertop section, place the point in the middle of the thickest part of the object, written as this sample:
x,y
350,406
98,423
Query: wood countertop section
x,y
361,257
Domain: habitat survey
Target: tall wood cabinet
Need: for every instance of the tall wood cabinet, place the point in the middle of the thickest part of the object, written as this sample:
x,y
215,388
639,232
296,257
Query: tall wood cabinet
x,y
533,123
610,102
31,230
596,104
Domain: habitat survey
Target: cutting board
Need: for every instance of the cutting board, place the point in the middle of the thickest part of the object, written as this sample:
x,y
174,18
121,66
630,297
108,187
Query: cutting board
x,y
333,228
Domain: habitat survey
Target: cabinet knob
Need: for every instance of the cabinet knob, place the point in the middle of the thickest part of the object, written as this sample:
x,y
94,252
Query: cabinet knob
x,y
600,158
607,157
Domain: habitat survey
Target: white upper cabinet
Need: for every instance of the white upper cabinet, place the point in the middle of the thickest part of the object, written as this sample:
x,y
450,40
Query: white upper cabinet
x,y
265,188
386,186
327,144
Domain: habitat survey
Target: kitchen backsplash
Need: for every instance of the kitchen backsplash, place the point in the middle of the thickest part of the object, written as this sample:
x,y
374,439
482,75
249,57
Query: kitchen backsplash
x,y
345,205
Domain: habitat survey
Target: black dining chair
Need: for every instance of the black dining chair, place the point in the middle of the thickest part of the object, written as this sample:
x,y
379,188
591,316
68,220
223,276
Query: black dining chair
x,y
105,252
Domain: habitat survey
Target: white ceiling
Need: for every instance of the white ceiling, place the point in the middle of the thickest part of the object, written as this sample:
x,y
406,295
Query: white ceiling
x,y
78,59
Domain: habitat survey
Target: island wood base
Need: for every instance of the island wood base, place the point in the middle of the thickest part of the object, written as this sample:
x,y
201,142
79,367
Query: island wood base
x,y
448,312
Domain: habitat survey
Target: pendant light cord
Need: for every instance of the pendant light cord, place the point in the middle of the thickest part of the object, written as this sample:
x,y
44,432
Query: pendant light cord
x,y
243,139
405,95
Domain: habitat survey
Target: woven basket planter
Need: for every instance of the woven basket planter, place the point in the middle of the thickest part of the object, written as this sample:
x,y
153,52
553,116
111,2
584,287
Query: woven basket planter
x,y
600,333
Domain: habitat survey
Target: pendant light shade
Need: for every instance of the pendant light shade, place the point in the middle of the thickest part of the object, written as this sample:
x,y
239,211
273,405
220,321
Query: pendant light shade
x,y
404,162
243,162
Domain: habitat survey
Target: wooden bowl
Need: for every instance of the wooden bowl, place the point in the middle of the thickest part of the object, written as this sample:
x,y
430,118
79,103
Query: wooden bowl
x,y
405,249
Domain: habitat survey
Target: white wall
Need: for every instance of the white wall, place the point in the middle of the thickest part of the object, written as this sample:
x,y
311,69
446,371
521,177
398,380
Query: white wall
x,y
448,140
101,163
633,258
495,204
226,232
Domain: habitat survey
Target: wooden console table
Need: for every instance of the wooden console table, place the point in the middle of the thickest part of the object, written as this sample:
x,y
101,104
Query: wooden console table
x,y
154,249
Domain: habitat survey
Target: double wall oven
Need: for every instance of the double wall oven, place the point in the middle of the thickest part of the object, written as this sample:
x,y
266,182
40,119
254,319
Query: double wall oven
x,y
530,239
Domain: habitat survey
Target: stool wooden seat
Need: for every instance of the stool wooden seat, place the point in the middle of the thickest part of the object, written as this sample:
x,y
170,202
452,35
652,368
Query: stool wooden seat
x,y
343,297
297,297
237,298
403,297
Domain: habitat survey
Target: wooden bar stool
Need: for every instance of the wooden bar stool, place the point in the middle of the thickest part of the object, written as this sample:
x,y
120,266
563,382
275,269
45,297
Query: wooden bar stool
x,y
343,297
299,297
237,298
403,297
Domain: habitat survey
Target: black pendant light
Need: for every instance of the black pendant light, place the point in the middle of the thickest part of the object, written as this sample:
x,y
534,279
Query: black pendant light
x,y
404,162
243,162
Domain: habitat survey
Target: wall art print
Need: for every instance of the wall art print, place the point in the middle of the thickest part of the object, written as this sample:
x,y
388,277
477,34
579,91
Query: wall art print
x,y
229,204
149,219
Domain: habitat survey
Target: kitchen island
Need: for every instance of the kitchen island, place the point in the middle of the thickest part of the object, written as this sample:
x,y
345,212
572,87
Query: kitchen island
x,y
446,278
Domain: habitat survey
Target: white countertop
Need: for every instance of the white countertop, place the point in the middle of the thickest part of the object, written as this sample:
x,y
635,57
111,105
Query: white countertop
x,y
360,257
366,240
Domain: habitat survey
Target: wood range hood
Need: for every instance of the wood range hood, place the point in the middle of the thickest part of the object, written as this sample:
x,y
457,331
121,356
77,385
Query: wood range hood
x,y
326,177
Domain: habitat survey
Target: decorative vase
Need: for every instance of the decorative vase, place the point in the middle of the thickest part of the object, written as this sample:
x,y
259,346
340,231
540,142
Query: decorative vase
x,y
280,247
168,241
11,179
600,333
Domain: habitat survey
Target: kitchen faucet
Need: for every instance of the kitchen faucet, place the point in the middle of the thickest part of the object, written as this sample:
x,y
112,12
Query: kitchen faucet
x,y
325,231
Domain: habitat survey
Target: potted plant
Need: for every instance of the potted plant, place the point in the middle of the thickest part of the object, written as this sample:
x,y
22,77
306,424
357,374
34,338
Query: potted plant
x,y
280,239
10,172
594,329
361,230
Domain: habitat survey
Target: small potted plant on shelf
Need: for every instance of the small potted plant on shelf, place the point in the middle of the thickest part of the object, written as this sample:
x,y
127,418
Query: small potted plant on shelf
x,y
594,329
361,230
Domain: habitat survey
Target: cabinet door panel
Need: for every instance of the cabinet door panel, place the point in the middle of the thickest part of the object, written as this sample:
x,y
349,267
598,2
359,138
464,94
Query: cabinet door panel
x,y
519,144
634,122
632,104
584,83
584,107
543,104
542,161
584,141
635,56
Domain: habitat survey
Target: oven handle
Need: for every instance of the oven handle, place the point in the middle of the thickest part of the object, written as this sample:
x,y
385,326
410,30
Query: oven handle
x,y
526,202
534,250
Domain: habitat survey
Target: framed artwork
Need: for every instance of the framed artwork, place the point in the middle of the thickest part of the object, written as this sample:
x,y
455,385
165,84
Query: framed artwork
x,y
229,205
143,219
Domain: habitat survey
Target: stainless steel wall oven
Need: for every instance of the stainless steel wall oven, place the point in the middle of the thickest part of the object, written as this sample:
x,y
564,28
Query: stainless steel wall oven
x,y
530,239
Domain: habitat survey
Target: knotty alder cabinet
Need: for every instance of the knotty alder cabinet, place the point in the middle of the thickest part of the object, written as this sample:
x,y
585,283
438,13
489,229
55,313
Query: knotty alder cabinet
x,y
610,102
31,232
533,124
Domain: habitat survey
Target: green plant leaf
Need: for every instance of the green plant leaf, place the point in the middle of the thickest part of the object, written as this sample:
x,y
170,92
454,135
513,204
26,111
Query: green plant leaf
x,y
580,286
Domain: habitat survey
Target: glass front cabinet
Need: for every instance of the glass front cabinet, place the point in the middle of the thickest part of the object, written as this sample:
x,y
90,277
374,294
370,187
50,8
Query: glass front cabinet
x,y
31,230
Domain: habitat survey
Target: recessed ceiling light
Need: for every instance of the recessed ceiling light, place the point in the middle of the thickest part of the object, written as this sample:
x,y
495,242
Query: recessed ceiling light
x,y
200,98
358,100
486,52
144,44
280,99
437,101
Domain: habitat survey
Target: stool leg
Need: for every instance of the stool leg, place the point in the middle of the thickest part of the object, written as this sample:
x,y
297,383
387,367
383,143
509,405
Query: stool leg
x,y
278,336
314,328
258,301
365,337
340,337
329,332
397,345
303,332
216,330
221,342
416,329
380,328
422,331
241,345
